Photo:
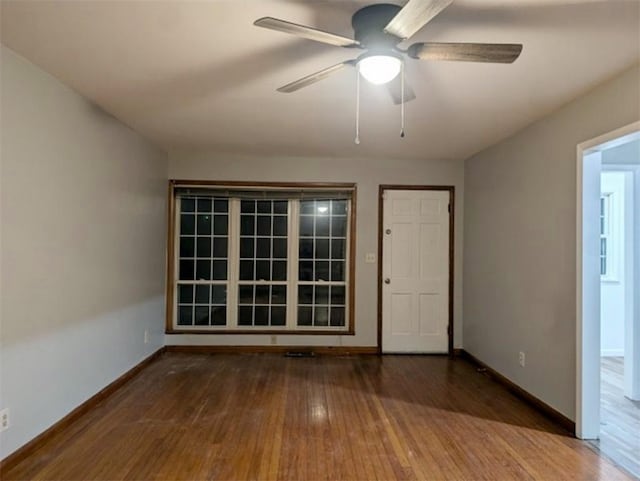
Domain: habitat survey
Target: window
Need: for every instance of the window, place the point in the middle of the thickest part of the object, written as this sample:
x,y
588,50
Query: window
x,y
605,233
273,258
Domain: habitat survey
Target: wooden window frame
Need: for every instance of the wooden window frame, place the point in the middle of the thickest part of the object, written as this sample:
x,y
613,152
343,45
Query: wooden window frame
x,y
170,292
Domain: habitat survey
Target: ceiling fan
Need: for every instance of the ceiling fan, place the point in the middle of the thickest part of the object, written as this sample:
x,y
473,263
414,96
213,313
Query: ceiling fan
x,y
378,29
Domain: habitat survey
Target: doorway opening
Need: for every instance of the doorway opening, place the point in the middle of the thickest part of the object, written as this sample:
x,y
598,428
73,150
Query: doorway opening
x,y
415,269
608,303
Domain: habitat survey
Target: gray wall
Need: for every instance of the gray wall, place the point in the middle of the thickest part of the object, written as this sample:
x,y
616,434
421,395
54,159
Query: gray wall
x,y
368,174
520,242
82,249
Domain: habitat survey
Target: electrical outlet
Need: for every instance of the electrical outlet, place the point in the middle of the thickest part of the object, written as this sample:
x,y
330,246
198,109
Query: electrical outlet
x,y
521,359
4,419
146,336
274,339
370,258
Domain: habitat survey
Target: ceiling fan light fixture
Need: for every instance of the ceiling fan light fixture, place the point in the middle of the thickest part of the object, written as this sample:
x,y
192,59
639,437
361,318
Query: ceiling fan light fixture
x,y
379,68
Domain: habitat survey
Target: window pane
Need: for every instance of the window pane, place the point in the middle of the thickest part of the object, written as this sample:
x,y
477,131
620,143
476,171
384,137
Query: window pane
x,y
219,270
185,316
221,224
247,225
263,247
339,227
264,225
245,315
337,316
263,270
186,270
278,316
339,207
306,249
306,226
307,207
220,247
262,295
188,204
185,294
280,206
305,294
202,294
246,294
261,316
322,295
322,248
305,271
187,224
321,316
322,271
247,206
264,207
204,225
304,316
280,225
322,226
279,272
247,247
278,294
337,295
322,207
187,247
221,205
279,248
203,270
338,250
204,247
219,294
337,271
246,270
219,316
201,316
204,205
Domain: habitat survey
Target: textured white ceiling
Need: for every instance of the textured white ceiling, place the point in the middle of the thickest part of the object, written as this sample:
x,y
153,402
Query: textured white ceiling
x,y
199,75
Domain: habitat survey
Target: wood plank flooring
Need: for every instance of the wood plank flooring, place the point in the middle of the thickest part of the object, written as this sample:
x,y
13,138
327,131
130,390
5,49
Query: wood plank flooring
x,y
619,417
267,417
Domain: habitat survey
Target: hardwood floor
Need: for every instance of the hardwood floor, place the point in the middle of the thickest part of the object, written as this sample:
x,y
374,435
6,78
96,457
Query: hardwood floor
x,y
619,417
265,416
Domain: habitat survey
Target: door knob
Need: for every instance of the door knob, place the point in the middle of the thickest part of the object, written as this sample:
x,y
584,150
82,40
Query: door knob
x,y
387,281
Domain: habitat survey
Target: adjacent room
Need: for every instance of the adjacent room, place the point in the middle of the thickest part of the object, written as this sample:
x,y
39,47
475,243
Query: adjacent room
x,y
312,240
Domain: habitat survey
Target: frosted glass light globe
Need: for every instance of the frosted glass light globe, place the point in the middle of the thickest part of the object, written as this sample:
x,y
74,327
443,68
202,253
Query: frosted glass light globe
x,y
379,69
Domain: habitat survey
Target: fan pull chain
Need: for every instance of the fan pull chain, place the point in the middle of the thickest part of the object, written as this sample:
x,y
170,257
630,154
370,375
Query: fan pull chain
x,y
357,139
402,100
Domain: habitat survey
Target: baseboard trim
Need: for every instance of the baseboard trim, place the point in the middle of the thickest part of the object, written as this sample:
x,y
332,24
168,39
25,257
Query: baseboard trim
x,y
551,413
31,446
329,350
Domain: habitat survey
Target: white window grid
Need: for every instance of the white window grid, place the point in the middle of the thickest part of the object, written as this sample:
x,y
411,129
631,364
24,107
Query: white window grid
x,y
232,283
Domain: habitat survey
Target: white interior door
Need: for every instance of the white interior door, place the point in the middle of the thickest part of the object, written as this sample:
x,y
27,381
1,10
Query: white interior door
x,y
415,271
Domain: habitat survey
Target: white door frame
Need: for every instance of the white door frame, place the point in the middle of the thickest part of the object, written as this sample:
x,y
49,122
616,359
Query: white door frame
x,y
589,166
452,190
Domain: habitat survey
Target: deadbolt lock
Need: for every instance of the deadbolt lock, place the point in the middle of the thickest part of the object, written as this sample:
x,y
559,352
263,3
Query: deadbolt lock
x,y
387,281
388,231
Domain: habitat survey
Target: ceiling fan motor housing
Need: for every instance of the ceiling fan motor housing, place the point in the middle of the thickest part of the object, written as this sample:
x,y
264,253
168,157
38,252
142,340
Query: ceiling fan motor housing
x,y
369,23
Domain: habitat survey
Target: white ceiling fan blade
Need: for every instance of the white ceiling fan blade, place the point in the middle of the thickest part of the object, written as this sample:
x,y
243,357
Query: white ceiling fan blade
x,y
314,77
305,32
415,15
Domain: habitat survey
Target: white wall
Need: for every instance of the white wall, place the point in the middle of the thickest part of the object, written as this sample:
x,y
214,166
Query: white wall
x,y
368,174
82,249
520,242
